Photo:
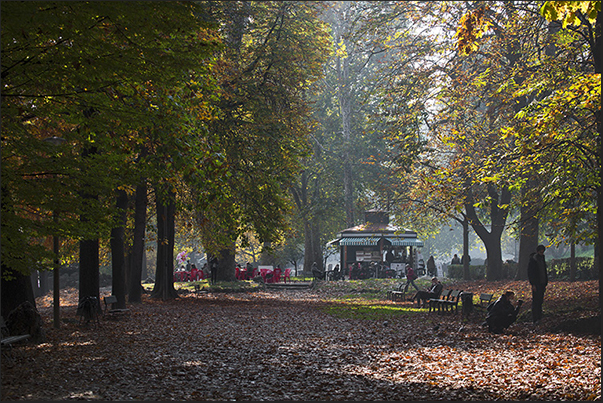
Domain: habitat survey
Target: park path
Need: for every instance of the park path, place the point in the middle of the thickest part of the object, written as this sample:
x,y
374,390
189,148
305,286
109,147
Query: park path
x,y
283,346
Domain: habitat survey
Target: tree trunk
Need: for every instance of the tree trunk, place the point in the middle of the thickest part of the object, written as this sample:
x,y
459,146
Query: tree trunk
x,y
164,273
572,272
118,259
44,282
89,253
466,262
15,287
89,269
491,240
226,264
15,291
345,112
313,250
138,245
528,238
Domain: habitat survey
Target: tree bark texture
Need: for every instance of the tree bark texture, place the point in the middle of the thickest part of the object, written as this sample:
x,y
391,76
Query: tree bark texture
x,y
138,243
528,238
491,239
15,291
164,275
118,258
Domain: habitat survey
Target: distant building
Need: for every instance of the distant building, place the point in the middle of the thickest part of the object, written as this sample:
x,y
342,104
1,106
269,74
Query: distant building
x,y
369,241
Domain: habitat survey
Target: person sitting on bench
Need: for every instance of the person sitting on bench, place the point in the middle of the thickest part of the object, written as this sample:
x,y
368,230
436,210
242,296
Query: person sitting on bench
x,y
425,295
317,273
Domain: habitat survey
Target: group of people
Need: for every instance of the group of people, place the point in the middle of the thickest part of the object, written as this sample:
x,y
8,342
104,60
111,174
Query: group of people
x,y
502,313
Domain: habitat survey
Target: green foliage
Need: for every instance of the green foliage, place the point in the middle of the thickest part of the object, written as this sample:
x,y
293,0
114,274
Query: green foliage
x,y
274,52
98,75
569,12
559,269
476,272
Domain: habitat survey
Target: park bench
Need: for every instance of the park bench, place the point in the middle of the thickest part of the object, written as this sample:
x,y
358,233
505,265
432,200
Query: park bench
x,y
435,303
452,301
446,300
397,294
485,298
112,299
8,341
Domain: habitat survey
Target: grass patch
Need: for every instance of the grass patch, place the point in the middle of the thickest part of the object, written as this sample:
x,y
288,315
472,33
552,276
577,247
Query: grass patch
x,y
366,310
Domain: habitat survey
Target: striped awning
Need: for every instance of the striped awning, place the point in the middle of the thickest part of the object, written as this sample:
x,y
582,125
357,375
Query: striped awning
x,y
359,241
406,242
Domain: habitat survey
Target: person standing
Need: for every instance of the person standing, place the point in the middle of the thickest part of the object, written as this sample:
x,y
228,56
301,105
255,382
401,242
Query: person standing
x,y
538,278
432,270
213,266
249,270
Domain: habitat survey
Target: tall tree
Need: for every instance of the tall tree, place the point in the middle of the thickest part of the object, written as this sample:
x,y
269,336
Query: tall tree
x,y
71,59
274,50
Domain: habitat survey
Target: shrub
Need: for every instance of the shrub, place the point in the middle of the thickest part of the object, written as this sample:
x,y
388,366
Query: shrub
x,y
477,272
559,269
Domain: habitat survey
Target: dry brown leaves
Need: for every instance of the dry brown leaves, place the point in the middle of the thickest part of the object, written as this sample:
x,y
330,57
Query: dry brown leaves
x,y
280,345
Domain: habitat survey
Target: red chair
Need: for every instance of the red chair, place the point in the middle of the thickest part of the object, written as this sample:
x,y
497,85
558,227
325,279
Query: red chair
x,y
287,275
277,274
194,274
263,273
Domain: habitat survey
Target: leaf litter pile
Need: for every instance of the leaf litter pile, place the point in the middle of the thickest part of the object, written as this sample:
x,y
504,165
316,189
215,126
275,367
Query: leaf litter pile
x,y
337,341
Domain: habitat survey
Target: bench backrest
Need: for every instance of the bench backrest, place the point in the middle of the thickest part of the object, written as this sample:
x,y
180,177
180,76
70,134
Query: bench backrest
x,y
485,298
454,295
445,294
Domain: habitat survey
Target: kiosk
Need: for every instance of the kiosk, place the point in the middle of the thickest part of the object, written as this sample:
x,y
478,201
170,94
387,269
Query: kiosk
x,y
377,242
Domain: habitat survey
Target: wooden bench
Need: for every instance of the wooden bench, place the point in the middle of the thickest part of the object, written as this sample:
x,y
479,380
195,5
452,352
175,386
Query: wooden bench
x,y
443,304
453,300
487,298
112,299
436,302
397,294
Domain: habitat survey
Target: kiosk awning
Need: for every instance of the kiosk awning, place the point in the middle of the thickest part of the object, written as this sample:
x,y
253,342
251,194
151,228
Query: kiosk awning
x,y
359,241
406,242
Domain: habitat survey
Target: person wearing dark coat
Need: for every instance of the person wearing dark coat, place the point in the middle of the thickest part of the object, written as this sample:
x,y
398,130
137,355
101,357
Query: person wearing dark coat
x,y
538,278
502,313
434,291
316,272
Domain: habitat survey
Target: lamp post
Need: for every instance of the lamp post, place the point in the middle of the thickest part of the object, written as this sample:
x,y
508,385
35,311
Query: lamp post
x,y
56,141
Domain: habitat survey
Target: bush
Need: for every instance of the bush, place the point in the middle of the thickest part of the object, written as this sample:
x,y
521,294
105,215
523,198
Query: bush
x,y
475,272
559,269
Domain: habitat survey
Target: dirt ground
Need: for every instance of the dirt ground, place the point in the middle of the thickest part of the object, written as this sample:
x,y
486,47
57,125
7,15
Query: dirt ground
x,y
305,345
